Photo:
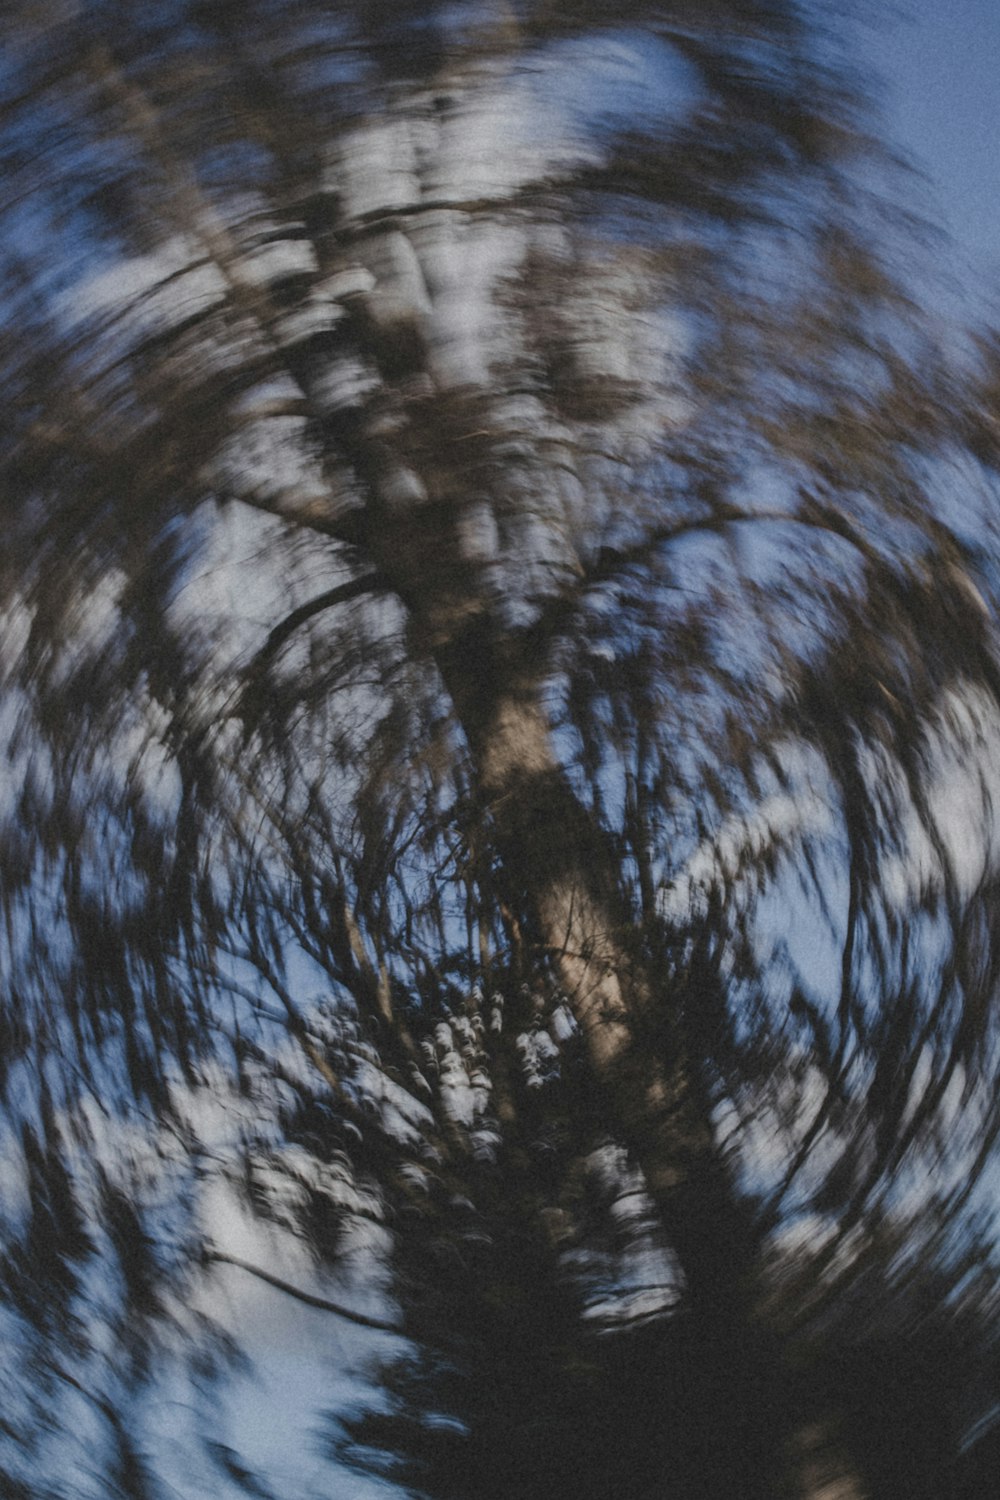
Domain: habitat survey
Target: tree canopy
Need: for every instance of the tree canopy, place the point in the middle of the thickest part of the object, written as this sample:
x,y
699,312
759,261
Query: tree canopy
x,y
501,702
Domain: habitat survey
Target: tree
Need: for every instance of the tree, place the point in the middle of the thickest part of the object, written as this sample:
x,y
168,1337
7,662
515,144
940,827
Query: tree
x,y
617,532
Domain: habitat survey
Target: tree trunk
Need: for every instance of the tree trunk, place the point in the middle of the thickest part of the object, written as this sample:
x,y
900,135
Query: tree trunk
x,y
560,868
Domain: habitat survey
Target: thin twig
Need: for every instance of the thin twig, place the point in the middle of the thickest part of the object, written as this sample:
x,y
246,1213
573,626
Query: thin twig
x,y
323,1303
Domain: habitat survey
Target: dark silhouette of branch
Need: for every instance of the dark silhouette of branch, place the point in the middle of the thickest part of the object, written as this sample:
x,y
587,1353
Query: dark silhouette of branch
x,y
363,1320
354,588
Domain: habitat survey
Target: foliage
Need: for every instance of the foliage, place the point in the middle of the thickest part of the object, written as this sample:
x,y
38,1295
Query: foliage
x,y
559,571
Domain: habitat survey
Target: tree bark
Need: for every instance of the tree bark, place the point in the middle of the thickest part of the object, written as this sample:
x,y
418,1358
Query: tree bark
x,y
560,867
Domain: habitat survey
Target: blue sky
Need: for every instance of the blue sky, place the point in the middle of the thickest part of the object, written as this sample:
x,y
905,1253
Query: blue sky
x,y
941,63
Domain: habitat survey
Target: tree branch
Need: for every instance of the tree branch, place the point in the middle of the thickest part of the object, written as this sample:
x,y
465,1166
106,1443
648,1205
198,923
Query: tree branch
x,y
612,562
363,1320
354,588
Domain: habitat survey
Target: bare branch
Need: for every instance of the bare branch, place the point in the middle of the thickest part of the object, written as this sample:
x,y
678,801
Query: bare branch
x,y
354,588
363,1320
